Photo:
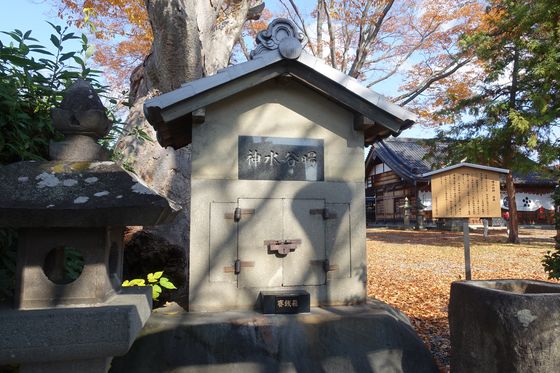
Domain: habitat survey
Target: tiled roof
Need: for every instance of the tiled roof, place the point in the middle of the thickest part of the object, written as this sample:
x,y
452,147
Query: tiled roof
x,y
171,113
409,158
405,156
533,178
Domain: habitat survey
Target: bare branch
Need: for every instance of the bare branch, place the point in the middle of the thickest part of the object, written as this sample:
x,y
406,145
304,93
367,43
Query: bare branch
x,y
370,36
444,73
332,40
320,12
303,28
244,48
403,59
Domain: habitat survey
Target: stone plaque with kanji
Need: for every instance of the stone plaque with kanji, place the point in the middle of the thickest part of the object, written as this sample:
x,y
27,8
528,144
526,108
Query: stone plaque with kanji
x,y
280,158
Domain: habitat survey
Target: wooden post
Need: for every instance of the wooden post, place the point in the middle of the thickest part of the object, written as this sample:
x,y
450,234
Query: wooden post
x,y
485,224
467,246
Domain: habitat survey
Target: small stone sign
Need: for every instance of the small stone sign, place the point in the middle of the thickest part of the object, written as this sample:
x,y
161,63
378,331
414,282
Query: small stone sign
x,y
280,158
277,302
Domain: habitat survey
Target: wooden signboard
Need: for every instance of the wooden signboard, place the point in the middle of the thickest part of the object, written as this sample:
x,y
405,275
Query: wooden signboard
x,y
466,192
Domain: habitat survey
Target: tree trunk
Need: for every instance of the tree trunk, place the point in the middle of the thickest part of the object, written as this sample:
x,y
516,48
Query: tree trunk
x,y
192,38
513,221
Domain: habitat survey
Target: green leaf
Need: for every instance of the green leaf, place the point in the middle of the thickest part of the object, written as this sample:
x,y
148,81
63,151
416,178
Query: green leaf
x,y
135,282
41,51
55,41
13,35
69,36
164,281
158,274
90,50
66,56
156,291
151,277
56,27
79,61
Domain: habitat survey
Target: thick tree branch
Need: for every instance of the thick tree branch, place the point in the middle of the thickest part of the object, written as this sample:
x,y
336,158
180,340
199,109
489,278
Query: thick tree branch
x,y
320,12
371,34
255,12
332,40
408,97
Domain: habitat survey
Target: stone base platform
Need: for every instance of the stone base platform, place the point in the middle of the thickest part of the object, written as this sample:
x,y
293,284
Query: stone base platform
x,y
73,338
369,338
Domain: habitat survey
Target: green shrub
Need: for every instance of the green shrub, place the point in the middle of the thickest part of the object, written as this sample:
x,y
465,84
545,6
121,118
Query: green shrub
x,y
32,81
551,260
155,280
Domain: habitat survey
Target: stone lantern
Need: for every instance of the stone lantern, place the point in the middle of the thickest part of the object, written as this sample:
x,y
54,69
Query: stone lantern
x,y
70,312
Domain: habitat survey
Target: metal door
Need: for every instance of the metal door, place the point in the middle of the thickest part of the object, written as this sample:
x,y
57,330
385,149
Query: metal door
x,y
260,220
223,242
303,219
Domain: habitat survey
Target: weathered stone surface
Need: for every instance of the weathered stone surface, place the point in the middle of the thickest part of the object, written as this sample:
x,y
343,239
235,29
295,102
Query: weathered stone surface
x,y
505,326
100,249
74,333
77,148
81,112
77,194
368,338
166,170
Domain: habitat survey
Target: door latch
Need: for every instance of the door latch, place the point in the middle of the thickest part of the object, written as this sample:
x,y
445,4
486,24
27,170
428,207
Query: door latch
x,y
325,213
282,247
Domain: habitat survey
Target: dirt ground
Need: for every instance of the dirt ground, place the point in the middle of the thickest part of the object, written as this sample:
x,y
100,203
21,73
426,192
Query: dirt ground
x,y
413,271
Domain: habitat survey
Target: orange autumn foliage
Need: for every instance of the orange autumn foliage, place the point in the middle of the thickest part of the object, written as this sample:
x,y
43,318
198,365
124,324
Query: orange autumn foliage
x,y
411,45
121,28
123,36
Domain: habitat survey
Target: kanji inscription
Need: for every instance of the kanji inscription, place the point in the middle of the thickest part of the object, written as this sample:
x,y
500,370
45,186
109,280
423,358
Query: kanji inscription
x,y
466,193
280,158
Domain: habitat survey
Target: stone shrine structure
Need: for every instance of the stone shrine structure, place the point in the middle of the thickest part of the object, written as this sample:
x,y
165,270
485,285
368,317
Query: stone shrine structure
x,y
277,190
277,223
70,312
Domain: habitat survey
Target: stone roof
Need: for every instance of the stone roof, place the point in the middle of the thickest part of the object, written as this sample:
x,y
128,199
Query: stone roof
x,y
77,194
278,53
409,158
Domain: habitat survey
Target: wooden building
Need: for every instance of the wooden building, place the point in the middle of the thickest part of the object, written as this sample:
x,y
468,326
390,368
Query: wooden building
x,y
394,171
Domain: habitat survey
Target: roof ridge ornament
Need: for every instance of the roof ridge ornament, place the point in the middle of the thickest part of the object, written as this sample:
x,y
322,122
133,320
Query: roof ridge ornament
x,y
282,35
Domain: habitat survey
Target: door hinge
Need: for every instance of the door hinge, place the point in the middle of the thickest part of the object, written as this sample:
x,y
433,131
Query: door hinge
x,y
237,265
238,214
325,263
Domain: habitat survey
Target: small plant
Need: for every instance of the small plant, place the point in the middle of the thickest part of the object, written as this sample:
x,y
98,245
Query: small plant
x,y
155,280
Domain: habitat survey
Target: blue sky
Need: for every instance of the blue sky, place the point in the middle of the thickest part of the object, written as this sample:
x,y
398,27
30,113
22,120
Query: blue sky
x,y
29,15
33,14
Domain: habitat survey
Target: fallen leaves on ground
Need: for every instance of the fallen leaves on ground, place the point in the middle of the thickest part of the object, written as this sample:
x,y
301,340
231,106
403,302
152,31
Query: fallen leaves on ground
x,y
413,271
